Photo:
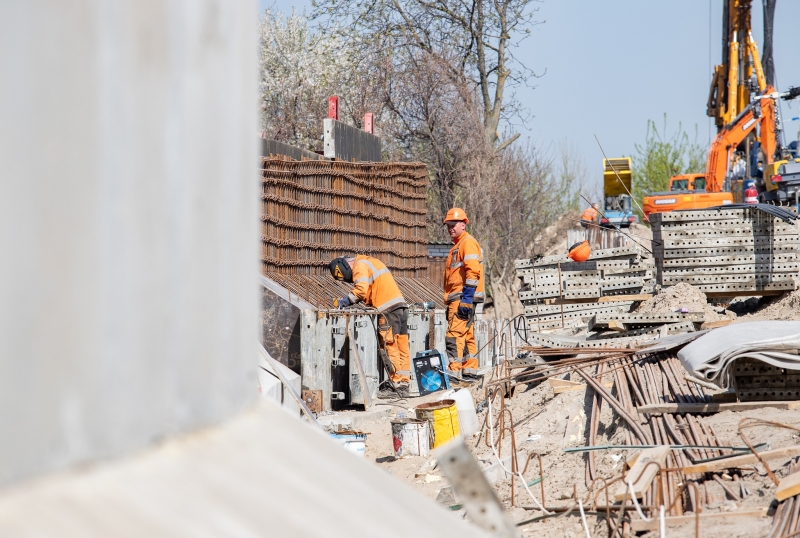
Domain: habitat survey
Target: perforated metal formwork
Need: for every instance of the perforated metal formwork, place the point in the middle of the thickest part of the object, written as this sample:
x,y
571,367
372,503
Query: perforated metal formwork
x,y
635,321
755,380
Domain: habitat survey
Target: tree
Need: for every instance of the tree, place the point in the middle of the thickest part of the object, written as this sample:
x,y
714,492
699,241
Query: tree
x,y
472,41
299,68
663,156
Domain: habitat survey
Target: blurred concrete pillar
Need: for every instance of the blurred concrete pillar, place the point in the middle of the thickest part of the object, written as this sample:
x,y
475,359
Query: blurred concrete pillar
x,y
128,224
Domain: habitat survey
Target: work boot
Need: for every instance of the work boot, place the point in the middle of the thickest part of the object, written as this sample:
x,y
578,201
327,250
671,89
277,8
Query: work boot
x,y
387,390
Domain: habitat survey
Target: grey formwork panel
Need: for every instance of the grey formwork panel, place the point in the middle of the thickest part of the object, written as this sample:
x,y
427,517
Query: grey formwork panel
x,y
577,307
753,268
727,279
581,293
697,232
740,288
601,320
668,328
705,215
483,331
737,241
723,251
366,342
531,312
316,354
557,341
736,259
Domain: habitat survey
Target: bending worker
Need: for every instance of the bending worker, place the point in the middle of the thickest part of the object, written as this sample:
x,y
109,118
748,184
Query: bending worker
x,y
375,286
463,287
589,216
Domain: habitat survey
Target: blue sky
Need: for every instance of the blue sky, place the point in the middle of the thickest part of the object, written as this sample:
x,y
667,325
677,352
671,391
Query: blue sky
x,y
610,66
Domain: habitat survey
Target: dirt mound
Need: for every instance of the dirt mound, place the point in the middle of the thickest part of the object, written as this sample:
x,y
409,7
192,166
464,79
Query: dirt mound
x,y
785,307
682,296
553,240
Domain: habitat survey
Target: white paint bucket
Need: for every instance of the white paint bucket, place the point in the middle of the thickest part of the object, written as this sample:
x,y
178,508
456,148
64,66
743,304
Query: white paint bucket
x,y
410,437
355,442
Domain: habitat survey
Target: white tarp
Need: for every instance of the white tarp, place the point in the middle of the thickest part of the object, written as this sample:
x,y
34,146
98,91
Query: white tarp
x,y
773,342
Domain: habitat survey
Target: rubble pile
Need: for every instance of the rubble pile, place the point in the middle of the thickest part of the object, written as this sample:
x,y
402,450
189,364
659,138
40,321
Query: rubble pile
x,y
740,251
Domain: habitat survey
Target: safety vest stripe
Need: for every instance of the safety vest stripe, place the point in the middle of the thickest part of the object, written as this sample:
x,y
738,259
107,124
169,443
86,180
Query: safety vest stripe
x,y
353,298
375,273
471,282
472,257
455,265
453,296
390,302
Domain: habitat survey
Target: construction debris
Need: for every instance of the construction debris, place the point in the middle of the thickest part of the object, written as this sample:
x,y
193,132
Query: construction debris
x,y
727,252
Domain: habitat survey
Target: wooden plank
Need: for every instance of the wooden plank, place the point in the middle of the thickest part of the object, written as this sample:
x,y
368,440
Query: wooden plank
x,y
713,407
642,474
716,324
640,525
745,459
788,487
615,325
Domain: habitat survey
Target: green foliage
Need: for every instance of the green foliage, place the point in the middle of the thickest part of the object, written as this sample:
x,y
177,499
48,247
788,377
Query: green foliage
x,y
662,156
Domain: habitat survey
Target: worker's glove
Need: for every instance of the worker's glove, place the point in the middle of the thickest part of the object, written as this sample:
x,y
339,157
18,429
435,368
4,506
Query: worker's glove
x,y
464,311
344,302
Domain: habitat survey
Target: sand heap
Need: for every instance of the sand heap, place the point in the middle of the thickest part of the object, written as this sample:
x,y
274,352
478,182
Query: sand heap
x,y
681,296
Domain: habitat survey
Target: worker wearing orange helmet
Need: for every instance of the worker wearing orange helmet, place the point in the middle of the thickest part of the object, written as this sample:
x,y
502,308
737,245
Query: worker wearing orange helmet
x,y
376,287
463,288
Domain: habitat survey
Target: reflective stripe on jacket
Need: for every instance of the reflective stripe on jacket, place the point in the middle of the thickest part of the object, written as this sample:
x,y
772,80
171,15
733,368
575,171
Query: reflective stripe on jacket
x,y
464,266
374,284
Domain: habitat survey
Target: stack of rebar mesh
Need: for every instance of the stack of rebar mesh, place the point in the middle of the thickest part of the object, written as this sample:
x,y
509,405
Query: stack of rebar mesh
x,y
313,211
739,251
558,292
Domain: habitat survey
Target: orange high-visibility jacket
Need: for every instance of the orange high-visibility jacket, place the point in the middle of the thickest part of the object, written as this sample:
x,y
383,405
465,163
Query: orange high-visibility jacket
x,y
374,285
464,266
590,214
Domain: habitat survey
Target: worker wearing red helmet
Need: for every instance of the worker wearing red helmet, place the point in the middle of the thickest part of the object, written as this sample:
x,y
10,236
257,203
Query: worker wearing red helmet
x,y
376,287
463,288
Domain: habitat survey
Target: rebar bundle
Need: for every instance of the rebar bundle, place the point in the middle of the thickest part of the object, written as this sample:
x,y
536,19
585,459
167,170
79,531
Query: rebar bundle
x,y
313,211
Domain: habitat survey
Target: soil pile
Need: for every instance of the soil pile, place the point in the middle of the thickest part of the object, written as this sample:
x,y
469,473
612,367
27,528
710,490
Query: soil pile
x,y
553,240
681,296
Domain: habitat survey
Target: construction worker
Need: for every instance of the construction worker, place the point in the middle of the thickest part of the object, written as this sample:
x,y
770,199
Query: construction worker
x,y
589,216
375,286
463,288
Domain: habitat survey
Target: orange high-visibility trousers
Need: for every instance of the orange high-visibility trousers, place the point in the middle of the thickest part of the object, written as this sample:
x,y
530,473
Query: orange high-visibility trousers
x,y
393,333
460,337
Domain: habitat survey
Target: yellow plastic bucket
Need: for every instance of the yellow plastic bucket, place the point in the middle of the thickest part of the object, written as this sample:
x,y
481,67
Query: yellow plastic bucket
x,y
443,418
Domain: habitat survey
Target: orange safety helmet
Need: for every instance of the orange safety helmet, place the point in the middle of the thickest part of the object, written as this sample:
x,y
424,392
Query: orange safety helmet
x,y
580,252
456,213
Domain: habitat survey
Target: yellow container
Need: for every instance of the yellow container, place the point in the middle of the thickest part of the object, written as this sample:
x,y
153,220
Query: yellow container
x,y
443,419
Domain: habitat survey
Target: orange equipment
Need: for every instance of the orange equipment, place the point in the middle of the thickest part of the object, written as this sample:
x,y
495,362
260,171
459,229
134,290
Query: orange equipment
x,y
456,213
580,252
686,191
761,113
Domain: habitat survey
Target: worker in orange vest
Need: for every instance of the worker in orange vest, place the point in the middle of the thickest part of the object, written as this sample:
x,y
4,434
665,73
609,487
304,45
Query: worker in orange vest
x,y
375,286
463,288
589,217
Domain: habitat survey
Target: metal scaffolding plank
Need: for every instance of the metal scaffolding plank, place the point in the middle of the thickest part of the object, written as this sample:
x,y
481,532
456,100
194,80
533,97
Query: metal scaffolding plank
x,y
601,320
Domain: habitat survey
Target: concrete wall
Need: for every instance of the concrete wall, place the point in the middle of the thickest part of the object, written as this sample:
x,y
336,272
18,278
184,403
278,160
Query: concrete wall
x,y
128,224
